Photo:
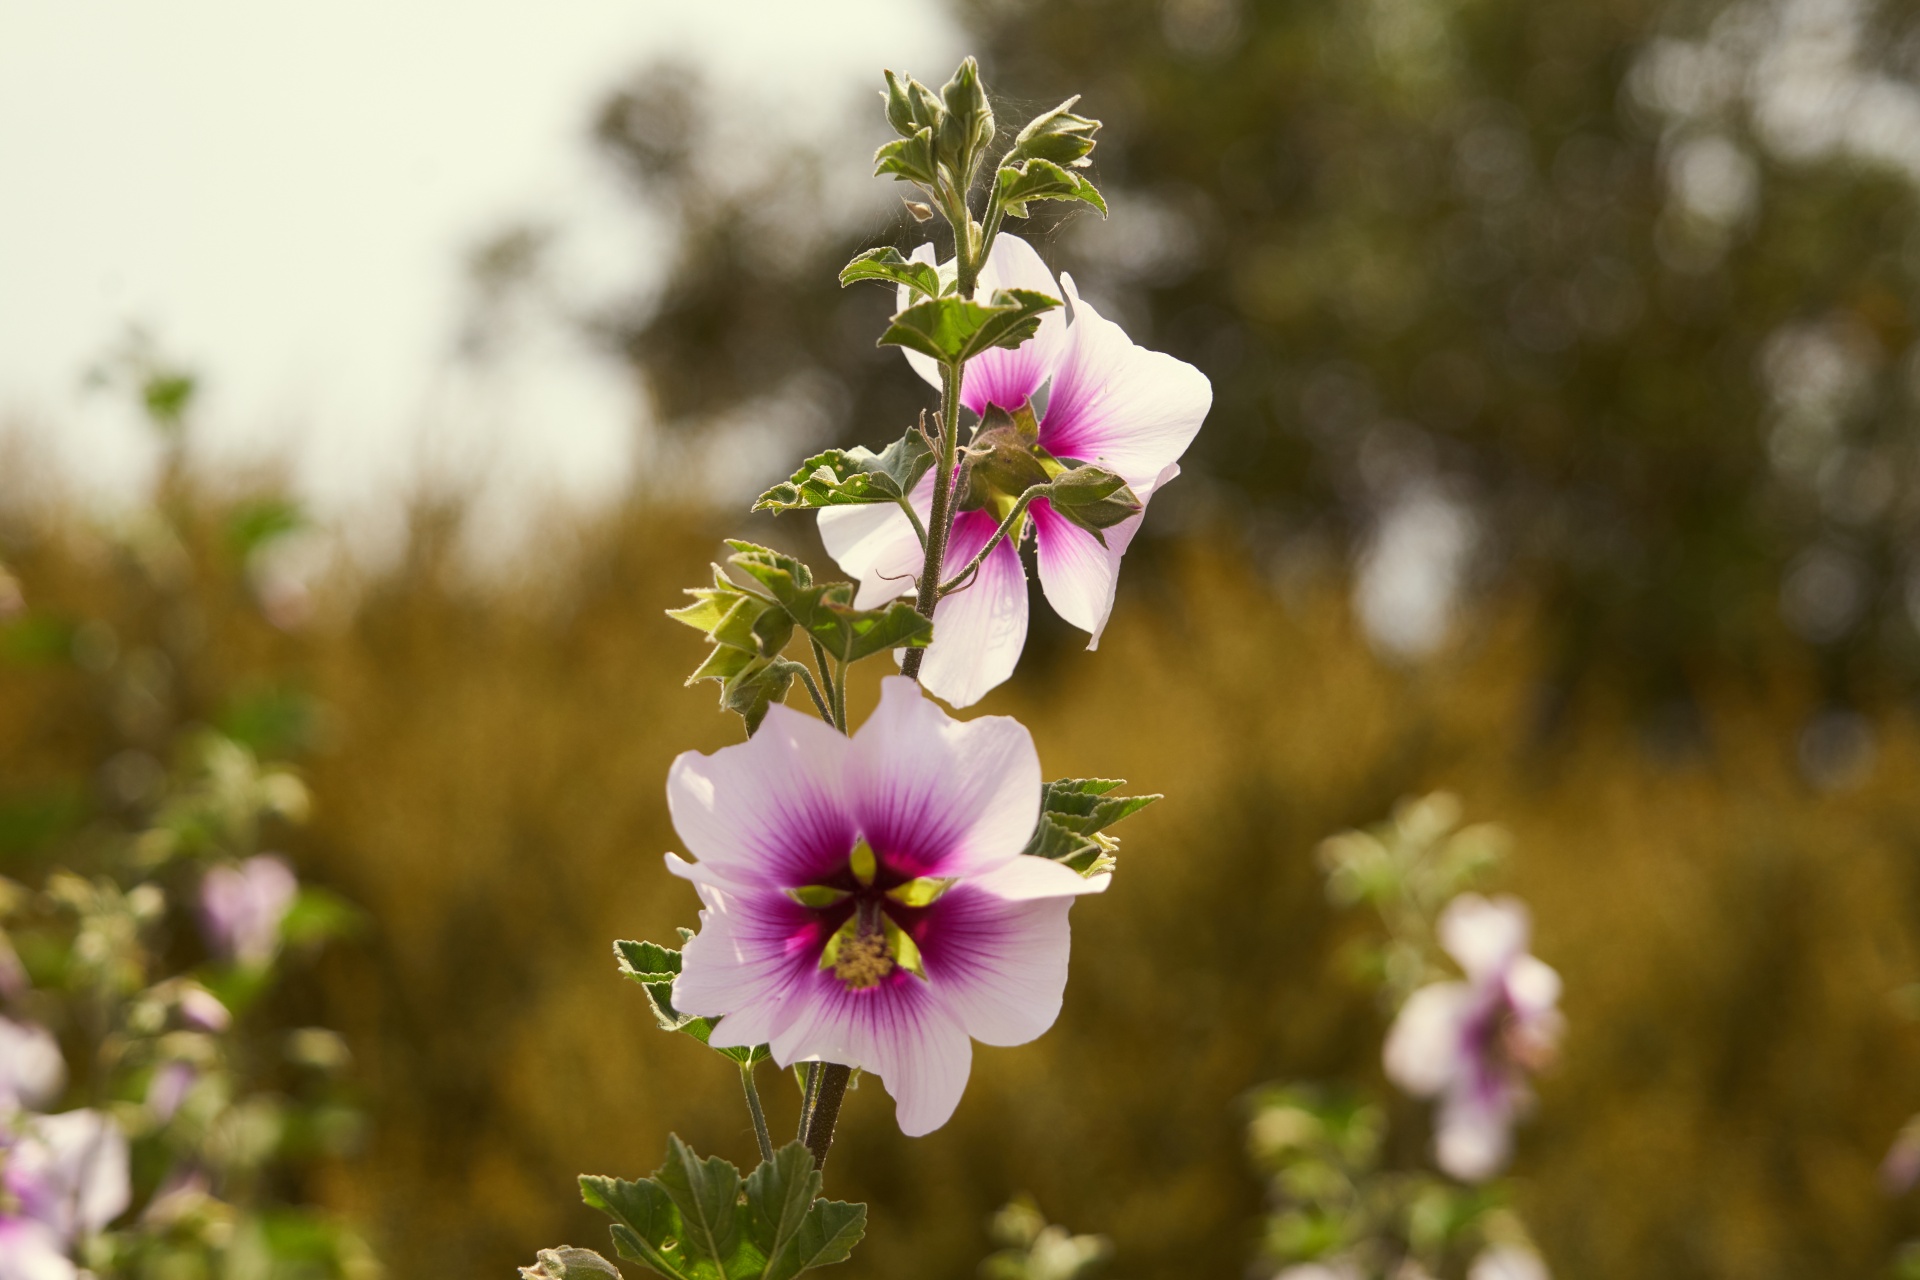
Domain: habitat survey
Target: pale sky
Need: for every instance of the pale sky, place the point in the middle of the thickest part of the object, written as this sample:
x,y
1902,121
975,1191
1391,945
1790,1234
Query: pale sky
x,y
283,194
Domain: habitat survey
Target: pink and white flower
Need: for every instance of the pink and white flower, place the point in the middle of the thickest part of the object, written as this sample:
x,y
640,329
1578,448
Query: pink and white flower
x,y
65,1177
32,1072
1110,402
1473,1044
866,898
242,907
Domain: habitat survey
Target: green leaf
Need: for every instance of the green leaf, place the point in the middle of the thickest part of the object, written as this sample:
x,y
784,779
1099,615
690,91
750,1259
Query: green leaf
x,y
826,1236
167,395
569,1263
909,159
655,967
707,1194
1003,457
953,330
826,611
1059,137
1016,185
841,477
888,266
646,1224
774,570
1093,498
779,1194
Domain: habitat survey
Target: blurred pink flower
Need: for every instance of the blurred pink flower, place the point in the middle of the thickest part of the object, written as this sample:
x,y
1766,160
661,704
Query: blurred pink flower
x,y
65,1177
202,1010
242,905
1473,1044
866,899
168,1088
1110,402
32,1072
1508,1262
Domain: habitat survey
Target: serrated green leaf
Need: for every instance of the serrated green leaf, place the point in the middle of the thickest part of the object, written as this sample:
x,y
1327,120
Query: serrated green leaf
x,y
707,1194
826,1235
1058,136
888,266
655,967
910,158
779,1194
1016,185
953,329
841,477
1087,805
647,1225
851,634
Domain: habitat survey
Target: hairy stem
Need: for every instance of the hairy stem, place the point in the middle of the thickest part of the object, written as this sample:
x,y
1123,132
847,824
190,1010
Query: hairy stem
x,y
826,677
807,1097
819,702
940,519
1005,530
752,1091
840,698
830,1090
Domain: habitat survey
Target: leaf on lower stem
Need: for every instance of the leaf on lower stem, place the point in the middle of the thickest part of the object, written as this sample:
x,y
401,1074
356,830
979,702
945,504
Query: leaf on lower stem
x,y
696,1219
844,477
655,967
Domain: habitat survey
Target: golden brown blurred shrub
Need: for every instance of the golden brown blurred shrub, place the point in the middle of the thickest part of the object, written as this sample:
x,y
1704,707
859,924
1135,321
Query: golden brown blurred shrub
x,y
489,783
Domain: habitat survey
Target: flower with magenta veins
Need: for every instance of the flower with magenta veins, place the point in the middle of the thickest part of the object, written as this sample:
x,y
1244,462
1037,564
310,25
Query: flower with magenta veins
x,y
1474,1044
866,898
242,906
1109,402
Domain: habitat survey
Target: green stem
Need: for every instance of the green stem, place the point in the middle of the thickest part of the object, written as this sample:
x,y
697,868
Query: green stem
x,y
752,1091
840,698
1005,530
806,678
913,518
807,1098
940,520
830,1091
826,677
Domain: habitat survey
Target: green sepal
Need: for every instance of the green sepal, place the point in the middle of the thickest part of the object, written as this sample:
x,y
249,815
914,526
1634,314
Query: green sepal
x,y
911,106
695,1219
1073,814
842,477
1093,498
655,967
569,1263
953,330
889,266
1016,185
1059,137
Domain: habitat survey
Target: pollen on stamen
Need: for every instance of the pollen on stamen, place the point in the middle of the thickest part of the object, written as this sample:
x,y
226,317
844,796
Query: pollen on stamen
x,y
863,961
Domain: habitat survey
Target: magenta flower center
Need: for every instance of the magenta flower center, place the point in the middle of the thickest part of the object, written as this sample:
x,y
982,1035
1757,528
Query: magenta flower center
x,y
868,920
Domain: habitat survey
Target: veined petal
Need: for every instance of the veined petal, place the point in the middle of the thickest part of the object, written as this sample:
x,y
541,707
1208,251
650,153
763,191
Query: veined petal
x,y
770,809
938,796
753,950
1127,408
1000,376
897,1030
875,544
1009,378
999,966
1424,1048
979,630
1485,936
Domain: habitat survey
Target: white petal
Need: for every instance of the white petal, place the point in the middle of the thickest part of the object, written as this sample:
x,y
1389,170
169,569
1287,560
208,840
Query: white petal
x,y
1009,378
999,966
876,545
897,1031
926,366
979,630
1486,937
1423,1050
1130,409
936,796
753,951
1027,879
1473,1134
1076,572
32,1072
771,809
1508,1262
30,1250
1533,987
70,1171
